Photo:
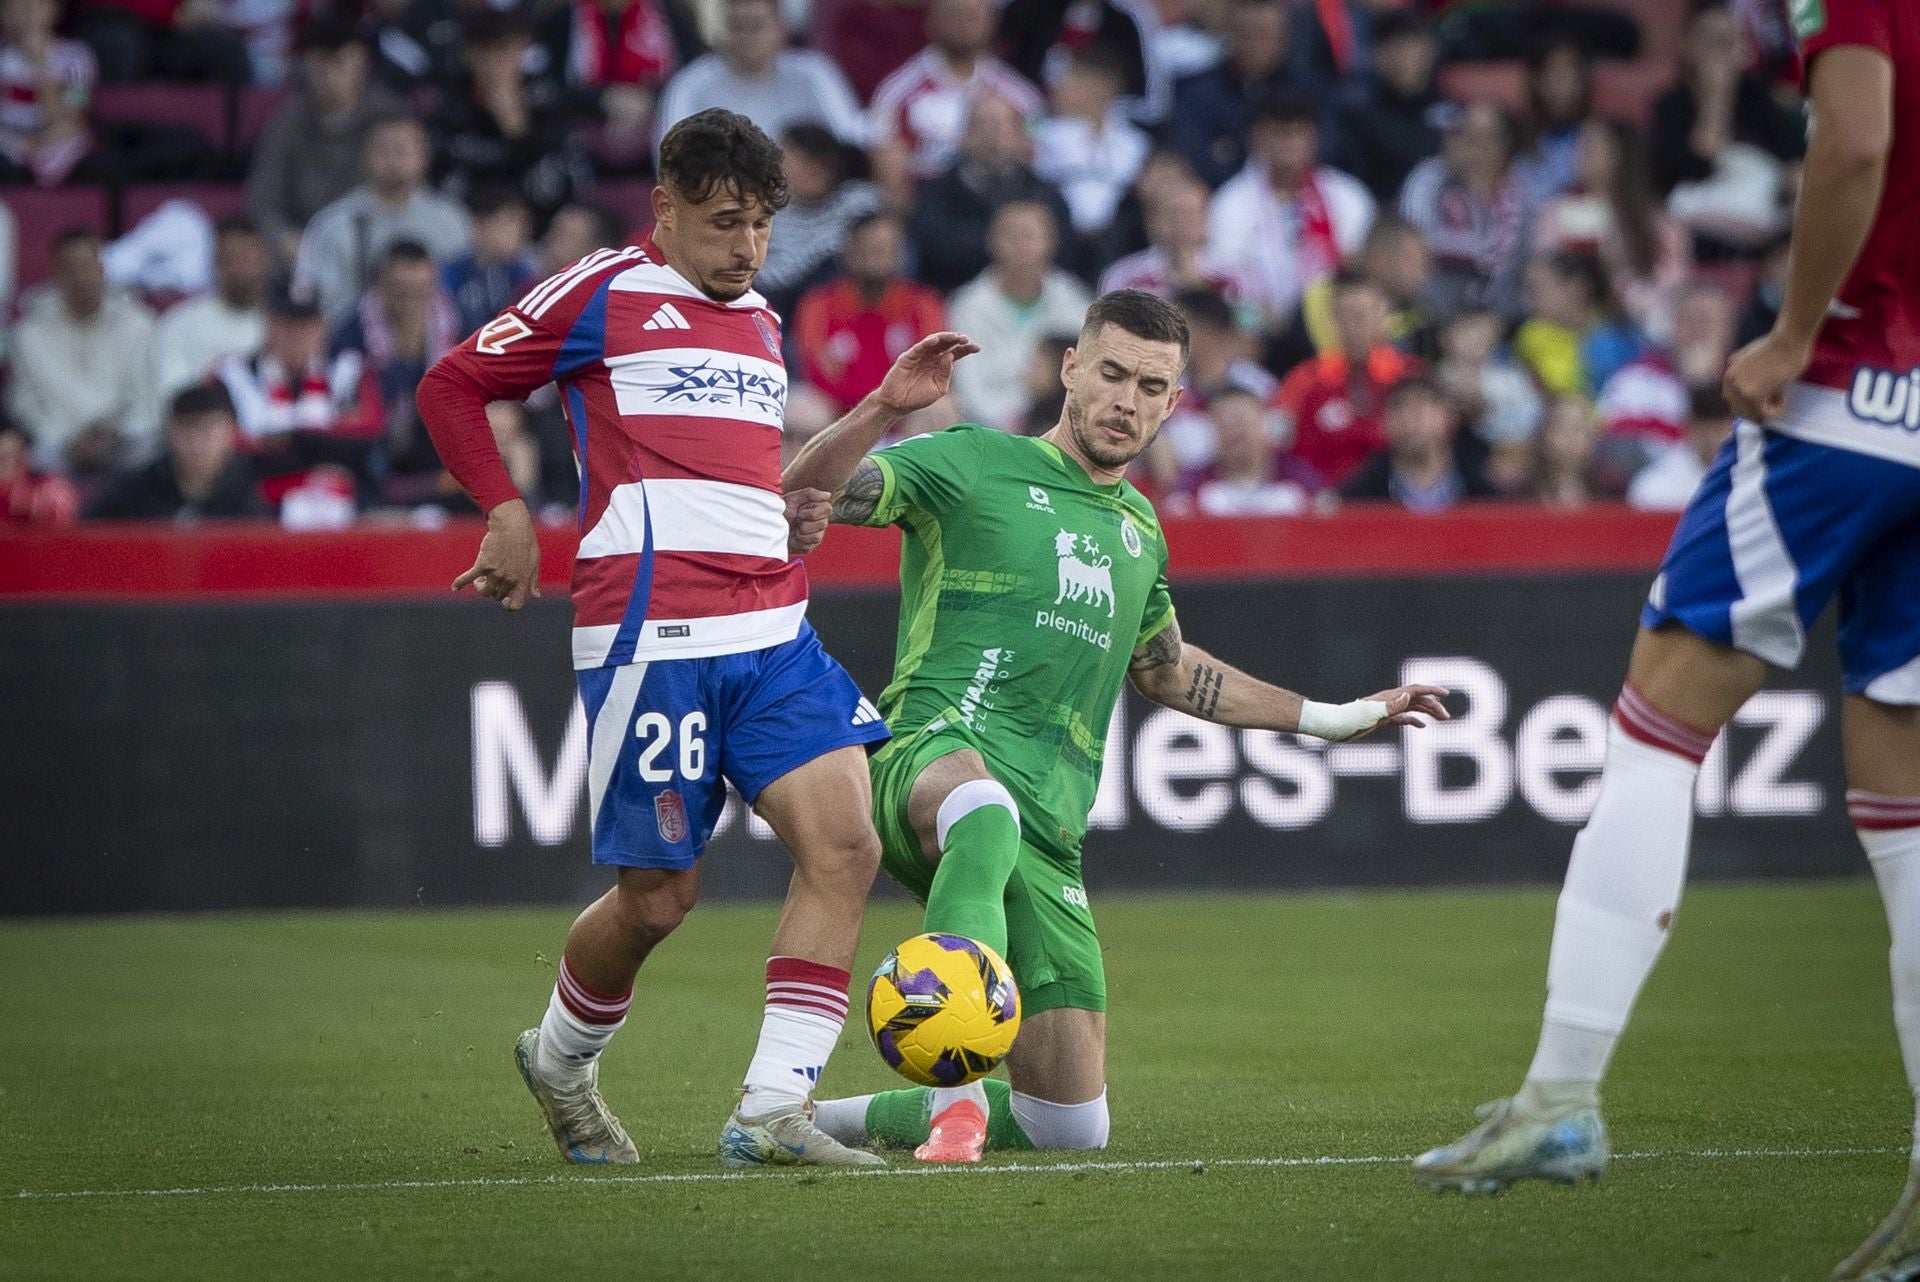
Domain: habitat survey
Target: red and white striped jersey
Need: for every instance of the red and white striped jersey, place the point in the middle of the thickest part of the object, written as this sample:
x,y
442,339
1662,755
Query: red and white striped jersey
x,y
924,105
676,403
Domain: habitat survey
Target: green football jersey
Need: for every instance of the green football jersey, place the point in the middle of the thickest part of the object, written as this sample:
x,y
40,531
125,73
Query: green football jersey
x,y
1024,590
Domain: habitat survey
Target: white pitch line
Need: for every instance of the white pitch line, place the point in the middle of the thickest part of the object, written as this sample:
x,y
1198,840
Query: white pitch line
x,y
1197,1165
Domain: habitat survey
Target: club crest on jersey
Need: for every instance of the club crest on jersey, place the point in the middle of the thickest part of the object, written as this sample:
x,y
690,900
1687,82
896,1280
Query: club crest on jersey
x,y
1091,580
767,335
670,816
1129,536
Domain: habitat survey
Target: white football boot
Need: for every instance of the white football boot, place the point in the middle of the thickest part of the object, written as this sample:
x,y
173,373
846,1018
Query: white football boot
x,y
785,1136
579,1120
1892,1252
1566,1146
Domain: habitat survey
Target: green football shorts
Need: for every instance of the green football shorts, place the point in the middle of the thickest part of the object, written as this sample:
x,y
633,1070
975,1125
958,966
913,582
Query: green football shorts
x,y
1051,943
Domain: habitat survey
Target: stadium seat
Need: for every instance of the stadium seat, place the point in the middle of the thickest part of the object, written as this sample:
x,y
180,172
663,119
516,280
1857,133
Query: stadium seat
x,y
201,108
217,199
42,215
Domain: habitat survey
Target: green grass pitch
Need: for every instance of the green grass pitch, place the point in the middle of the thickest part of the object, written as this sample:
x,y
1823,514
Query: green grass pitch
x,y
365,1061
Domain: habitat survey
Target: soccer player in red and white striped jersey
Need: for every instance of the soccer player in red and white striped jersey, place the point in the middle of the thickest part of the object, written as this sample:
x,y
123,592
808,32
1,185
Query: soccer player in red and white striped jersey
x,y
695,662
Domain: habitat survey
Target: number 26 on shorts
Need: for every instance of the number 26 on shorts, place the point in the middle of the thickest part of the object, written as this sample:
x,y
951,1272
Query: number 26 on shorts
x,y
656,732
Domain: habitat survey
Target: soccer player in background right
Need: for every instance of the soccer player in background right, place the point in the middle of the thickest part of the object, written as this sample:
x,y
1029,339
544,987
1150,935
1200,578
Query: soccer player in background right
x,y
1817,494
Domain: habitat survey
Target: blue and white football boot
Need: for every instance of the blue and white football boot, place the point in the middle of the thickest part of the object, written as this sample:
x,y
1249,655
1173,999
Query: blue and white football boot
x,y
786,1137
1565,1146
579,1120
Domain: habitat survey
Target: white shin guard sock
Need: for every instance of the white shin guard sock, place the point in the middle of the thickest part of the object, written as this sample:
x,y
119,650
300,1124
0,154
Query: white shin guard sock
x,y
569,1045
943,1096
1051,1125
844,1119
1895,856
1623,884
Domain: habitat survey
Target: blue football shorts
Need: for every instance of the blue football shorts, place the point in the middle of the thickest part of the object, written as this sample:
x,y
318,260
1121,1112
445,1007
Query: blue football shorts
x,y
1780,526
664,738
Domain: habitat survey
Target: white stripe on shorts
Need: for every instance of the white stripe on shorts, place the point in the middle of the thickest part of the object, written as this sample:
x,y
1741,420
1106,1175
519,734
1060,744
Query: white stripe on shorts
x,y
610,730
1900,686
1765,623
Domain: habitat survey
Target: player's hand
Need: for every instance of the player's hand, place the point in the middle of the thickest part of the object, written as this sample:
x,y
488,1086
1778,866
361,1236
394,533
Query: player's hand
x,y
1406,705
807,514
1757,376
507,569
921,375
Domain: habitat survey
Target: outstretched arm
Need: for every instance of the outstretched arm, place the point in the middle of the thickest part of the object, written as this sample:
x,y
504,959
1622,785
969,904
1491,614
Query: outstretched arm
x,y
1176,675
919,378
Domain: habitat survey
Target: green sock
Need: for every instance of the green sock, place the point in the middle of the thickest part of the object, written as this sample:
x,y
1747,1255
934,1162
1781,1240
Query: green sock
x,y
900,1118
971,881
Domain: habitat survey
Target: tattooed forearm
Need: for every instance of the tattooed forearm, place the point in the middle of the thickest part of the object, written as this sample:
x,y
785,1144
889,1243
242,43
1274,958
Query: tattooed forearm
x,y
1203,692
1161,650
862,495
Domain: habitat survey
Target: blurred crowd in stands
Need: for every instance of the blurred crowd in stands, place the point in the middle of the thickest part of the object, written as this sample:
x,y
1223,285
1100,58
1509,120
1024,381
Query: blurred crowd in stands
x,y
1431,252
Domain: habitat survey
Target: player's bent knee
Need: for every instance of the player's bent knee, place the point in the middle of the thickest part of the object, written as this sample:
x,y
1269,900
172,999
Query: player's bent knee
x,y
1051,1125
974,794
656,912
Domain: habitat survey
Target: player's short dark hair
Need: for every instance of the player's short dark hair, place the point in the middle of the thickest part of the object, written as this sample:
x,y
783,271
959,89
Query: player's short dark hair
x,y
1351,277
718,149
331,32
1140,314
1387,229
1400,24
199,399
1584,268
873,219
236,225
488,199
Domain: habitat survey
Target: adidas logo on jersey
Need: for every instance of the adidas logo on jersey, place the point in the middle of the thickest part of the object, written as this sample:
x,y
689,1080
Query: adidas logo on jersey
x,y
865,714
667,317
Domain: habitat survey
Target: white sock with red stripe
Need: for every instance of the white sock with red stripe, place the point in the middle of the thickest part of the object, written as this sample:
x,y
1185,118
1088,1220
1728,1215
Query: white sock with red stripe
x,y
806,1007
579,1023
1623,883
1889,828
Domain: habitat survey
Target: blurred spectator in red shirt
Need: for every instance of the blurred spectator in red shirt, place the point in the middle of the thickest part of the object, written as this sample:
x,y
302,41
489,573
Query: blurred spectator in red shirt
x,y
162,40
1335,402
920,112
27,496
851,329
1421,467
1393,257
45,84
198,474
1249,475
614,57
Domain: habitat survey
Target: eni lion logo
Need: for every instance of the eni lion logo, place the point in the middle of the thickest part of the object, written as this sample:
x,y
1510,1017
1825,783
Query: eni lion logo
x,y
1089,581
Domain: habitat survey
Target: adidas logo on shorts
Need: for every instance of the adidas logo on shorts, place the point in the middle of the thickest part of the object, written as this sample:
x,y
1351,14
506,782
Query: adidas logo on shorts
x,y
865,714
667,317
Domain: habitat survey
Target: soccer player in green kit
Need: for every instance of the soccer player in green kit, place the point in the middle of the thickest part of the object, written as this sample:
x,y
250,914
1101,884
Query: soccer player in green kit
x,y
1033,582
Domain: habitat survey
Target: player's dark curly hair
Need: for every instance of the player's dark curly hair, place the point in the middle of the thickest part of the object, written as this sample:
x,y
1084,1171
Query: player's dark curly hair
x,y
719,149
1140,314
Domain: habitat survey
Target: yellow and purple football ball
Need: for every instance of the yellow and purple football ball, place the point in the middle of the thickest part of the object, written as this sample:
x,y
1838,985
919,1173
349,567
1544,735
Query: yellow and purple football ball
x,y
943,1010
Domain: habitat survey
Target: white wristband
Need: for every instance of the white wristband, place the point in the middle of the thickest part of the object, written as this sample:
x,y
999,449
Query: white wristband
x,y
1340,721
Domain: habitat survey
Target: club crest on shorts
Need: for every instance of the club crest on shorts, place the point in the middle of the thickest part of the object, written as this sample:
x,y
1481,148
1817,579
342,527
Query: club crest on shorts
x,y
767,335
670,814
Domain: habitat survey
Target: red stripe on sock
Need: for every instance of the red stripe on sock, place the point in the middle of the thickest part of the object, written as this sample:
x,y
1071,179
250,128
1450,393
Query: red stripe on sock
x,y
1878,812
590,1005
1647,724
797,984
798,970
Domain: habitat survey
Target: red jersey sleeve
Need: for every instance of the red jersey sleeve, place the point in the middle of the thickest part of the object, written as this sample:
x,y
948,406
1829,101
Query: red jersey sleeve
x,y
557,330
1823,24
